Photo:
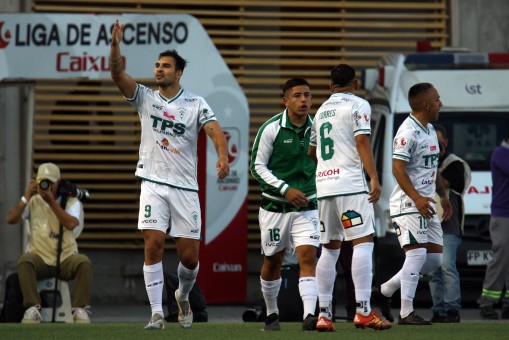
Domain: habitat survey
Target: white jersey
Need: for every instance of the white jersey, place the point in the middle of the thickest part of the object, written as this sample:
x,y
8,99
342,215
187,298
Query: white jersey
x,y
169,136
339,170
417,145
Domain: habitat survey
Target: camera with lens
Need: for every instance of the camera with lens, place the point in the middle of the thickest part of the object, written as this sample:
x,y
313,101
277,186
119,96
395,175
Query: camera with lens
x,y
66,188
44,184
69,189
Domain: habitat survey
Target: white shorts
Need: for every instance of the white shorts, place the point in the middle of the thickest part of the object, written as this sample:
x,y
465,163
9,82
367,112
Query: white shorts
x,y
287,230
163,207
345,218
415,228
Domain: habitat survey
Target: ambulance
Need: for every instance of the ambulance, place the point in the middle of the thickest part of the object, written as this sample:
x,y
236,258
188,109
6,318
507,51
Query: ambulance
x,y
474,90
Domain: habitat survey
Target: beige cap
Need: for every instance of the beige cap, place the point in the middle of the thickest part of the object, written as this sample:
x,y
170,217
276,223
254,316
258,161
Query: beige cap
x,y
48,171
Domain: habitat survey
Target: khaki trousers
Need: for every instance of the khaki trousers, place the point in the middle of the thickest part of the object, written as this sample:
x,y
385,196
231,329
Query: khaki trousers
x,y
77,267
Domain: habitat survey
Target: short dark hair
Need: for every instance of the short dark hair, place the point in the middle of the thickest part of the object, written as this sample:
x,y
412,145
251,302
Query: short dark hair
x,y
342,75
180,62
441,128
291,83
416,91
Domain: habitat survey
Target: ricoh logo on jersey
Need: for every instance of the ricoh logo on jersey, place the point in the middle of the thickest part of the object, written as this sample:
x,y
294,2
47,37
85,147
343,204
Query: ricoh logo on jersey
x,y
327,173
167,126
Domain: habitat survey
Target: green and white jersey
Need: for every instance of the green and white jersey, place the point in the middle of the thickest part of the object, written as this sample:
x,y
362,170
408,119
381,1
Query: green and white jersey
x,y
169,136
417,145
280,160
336,123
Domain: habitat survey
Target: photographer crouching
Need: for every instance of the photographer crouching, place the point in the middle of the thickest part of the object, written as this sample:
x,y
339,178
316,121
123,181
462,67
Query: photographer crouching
x,y
49,255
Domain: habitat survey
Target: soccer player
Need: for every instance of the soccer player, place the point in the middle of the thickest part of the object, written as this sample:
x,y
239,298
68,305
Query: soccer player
x,y
340,145
288,212
170,121
415,164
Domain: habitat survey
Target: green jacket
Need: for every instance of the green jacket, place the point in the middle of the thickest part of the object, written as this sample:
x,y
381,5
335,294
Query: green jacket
x,y
280,160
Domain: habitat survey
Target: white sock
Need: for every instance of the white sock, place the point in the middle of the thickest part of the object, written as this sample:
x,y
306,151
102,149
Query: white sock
x,y
362,276
414,259
388,288
154,284
325,278
407,307
270,291
433,262
309,293
187,278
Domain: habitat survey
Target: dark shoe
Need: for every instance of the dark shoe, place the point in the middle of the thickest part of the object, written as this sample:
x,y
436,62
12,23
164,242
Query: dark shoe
x,y
504,314
453,316
437,318
413,320
309,323
488,312
383,302
272,323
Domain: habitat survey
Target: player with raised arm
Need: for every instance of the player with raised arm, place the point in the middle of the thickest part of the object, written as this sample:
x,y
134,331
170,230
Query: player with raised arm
x,y
171,119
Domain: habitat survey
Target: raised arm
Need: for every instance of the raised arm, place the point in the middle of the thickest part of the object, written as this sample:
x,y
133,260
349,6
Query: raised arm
x,y
124,82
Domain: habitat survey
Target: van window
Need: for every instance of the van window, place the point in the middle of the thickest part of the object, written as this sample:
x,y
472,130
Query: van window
x,y
472,136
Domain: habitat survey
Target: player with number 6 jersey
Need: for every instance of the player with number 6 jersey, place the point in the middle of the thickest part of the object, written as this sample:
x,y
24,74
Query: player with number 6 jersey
x,y
340,146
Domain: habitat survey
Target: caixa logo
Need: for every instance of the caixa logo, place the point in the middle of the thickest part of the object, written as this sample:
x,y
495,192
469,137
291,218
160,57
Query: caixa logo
x,y
226,267
82,63
4,37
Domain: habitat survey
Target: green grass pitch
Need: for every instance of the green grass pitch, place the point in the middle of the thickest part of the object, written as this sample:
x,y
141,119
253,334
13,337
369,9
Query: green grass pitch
x,y
245,331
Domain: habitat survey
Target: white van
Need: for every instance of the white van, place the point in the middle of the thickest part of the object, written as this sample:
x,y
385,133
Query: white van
x,y
474,90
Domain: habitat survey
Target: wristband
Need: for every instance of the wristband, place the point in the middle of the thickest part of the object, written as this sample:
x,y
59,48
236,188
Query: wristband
x,y
415,200
24,200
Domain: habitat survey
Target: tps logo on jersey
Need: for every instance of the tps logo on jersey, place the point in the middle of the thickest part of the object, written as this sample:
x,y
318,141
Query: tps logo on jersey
x,y
4,38
167,126
351,219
